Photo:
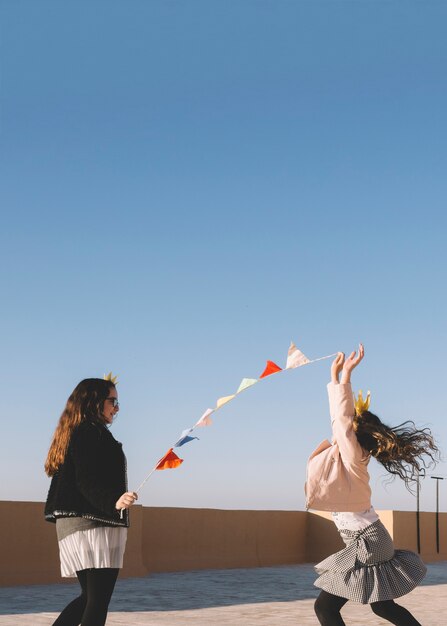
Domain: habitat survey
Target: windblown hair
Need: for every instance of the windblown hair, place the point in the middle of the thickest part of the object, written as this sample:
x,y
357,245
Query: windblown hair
x,y
403,450
85,403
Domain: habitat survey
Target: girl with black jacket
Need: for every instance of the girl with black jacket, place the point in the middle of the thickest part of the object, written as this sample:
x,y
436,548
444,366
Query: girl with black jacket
x,y
87,494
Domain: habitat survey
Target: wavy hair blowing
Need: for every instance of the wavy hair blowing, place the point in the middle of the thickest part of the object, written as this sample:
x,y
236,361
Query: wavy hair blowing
x,y
85,403
403,450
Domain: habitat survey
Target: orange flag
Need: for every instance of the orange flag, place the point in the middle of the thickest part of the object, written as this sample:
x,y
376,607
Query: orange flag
x,y
270,368
169,461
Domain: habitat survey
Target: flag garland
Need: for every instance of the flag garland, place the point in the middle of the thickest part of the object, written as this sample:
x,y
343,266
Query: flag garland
x,y
295,358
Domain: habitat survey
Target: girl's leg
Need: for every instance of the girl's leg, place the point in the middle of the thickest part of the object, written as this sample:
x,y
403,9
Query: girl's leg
x,y
394,613
100,585
72,614
327,608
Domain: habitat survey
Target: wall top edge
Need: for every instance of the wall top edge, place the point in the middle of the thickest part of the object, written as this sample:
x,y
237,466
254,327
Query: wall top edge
x,y
185,508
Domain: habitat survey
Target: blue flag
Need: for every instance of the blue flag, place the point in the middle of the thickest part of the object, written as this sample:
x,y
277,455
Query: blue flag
x,y
183,440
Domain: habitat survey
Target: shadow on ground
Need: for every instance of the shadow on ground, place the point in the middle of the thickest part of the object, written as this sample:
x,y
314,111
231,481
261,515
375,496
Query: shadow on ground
x,y
187,590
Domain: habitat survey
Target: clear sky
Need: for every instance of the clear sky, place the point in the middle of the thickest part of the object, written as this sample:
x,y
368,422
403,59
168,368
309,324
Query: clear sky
x,y
186,187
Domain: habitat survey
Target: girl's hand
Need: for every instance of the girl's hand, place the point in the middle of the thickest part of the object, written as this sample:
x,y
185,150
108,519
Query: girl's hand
x,y
126,500
351,362
337,366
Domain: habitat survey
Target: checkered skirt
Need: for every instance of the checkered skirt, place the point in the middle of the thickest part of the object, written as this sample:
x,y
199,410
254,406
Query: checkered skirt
x,y
369,569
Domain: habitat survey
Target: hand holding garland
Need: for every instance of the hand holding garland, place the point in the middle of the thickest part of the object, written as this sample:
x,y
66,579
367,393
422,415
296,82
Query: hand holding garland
x,y
126,501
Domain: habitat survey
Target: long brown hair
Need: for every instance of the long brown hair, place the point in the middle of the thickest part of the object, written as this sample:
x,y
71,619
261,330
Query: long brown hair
x,y
403,450
85,403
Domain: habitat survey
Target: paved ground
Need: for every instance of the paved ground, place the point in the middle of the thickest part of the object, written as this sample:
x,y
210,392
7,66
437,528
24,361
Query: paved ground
x,y
268,596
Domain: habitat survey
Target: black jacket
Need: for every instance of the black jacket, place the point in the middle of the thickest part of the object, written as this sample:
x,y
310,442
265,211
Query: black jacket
x,y
91,479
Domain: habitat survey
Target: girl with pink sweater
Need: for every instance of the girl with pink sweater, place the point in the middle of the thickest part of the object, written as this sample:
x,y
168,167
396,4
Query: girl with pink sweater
x,y
369,569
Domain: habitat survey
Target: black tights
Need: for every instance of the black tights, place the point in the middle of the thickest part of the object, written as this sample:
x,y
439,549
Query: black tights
x,y
90,608
327,608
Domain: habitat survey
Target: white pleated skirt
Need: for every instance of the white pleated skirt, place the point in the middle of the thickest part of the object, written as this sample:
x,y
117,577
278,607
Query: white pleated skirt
x,y
98,547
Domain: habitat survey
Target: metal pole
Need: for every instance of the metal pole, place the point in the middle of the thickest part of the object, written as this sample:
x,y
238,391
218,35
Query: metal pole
x,y
437,478
418,522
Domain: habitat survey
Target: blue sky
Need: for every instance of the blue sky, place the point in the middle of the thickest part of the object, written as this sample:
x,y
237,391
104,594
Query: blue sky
x,y
186,188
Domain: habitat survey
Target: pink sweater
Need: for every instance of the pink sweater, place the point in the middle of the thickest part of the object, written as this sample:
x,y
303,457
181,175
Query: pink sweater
x,y
337,474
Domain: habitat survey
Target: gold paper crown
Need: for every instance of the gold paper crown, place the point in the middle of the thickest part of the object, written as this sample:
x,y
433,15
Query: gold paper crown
x,y
112,379
362,405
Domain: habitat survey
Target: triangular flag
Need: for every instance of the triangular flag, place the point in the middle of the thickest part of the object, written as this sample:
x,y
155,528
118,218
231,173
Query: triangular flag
x,y
183,440
270,368
205,420
224,400
295,358
183,435
169,461
245,383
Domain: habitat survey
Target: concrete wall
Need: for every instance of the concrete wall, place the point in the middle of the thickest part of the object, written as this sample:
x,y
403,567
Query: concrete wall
x,y
185,539
177,539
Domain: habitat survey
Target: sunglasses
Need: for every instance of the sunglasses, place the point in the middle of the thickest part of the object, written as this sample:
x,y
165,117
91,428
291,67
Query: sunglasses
x,y
114,401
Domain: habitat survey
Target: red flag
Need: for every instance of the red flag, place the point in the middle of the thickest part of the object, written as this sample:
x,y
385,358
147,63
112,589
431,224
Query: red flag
x,y
270,368
169,461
